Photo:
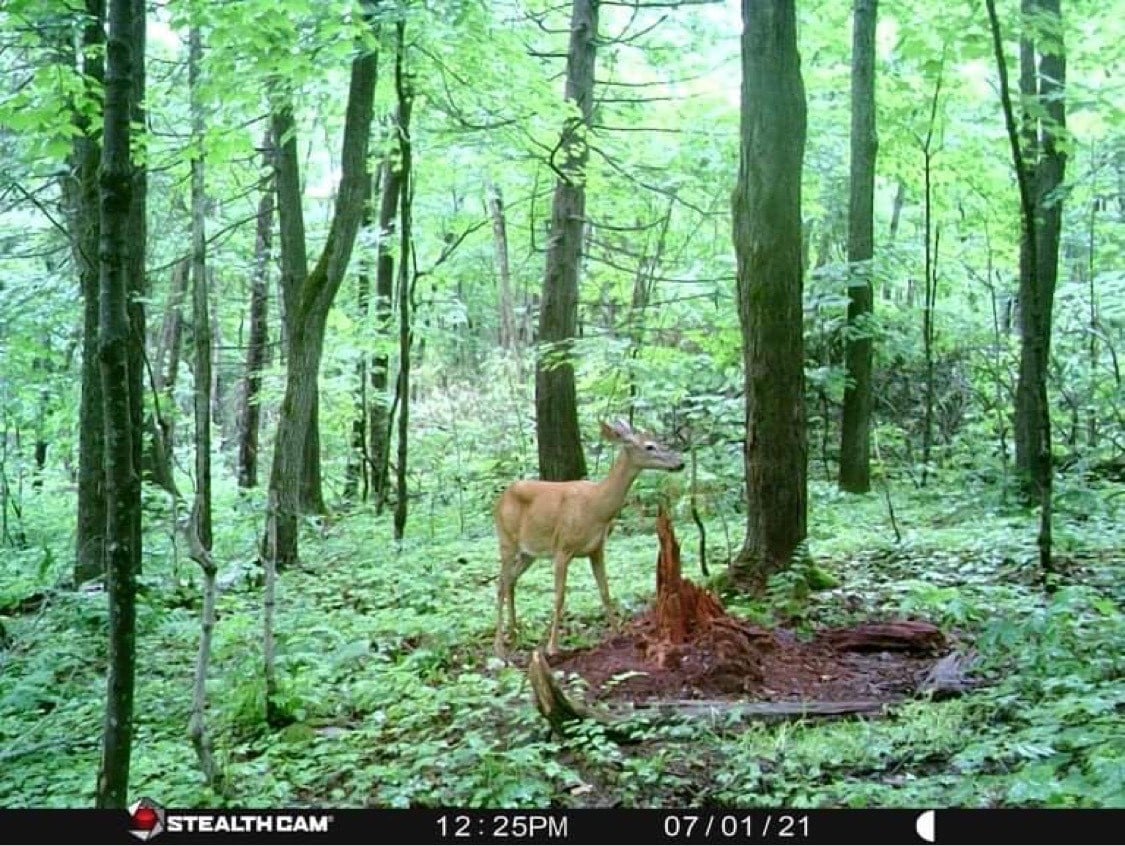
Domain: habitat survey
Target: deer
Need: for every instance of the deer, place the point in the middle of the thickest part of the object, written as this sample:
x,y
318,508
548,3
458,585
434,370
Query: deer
x,y
566,520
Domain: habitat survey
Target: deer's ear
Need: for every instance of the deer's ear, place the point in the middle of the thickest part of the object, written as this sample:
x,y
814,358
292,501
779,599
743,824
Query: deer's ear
x,y
612,433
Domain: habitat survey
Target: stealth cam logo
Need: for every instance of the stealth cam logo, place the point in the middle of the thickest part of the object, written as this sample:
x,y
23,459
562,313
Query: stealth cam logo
x,y
146,819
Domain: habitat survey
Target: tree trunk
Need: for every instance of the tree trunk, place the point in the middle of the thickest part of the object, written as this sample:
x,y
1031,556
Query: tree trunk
x,y
249,412
138,238
929,288
855,429
201,509
116,350
161,424
379,431
309,295
503,269
1046,164
1040,165
556,403
405,95
767,241
85,234
359,461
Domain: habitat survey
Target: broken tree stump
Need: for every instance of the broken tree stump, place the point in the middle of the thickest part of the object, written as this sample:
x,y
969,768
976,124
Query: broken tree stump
x,y
688,614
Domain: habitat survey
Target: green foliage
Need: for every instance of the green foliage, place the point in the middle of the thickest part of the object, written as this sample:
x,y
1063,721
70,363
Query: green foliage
x,y
385,665
383,650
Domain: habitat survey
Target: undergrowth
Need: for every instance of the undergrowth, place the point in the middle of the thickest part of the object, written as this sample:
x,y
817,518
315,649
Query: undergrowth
x,y
386,668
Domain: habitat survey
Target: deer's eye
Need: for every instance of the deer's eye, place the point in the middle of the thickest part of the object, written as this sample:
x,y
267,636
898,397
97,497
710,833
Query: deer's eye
x,y
650,447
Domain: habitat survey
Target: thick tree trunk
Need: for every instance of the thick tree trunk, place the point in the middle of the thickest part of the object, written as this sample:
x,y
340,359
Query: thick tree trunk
x,y
249,411
767,240
117,344
855,430
556,403
85,234
308,295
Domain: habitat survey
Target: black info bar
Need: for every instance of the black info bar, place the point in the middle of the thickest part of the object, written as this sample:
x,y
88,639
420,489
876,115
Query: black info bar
x,y
147,820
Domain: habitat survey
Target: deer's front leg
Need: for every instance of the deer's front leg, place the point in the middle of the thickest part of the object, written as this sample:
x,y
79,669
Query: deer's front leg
x,y
597,564
562,562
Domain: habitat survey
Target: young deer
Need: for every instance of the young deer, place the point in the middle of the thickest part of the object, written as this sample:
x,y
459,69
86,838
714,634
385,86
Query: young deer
x,y
565,520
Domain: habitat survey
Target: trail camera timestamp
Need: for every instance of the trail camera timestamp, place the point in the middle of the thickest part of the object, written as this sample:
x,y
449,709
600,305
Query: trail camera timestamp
x,y
705,828
502,826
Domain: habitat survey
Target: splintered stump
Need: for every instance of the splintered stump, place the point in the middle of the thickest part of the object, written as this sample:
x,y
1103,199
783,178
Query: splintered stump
x,y
685,656
687,615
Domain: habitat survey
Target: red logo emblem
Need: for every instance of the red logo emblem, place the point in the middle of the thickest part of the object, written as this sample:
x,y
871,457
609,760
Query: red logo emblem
x,y
146,819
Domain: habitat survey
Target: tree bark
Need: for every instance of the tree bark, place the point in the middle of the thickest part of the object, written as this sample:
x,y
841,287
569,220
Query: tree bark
x,y
309,295
503,270
201,509
165,364
855,429
404,95
85,234
249,412
116,351
379,432
1045,163
767,240
138,238
556,403
359,460
1031,175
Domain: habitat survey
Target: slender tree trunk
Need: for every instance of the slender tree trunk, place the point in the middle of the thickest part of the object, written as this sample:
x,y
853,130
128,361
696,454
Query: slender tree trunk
x,y
1045,163
85,235
201,509
116,350
359,460
503,271
1040,164
556,402
855,429
929,288
405,95
160,425
379,432
249,412
309,295
767,240
138,239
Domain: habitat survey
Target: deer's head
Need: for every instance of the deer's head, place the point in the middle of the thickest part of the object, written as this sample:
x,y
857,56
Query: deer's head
x,y
642,450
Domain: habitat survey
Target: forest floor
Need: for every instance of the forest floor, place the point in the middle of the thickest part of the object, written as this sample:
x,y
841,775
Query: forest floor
x,y
787,668
396,700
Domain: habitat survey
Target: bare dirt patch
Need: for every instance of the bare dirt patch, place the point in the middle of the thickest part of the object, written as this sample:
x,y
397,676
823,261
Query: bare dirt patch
x,y
781,666
688,647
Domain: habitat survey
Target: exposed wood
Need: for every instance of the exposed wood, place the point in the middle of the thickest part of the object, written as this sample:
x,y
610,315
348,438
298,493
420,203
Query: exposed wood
x,y
949,676
897,636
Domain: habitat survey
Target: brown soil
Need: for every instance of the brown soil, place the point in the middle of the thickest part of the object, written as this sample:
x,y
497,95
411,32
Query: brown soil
x,y
689,647
776,665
